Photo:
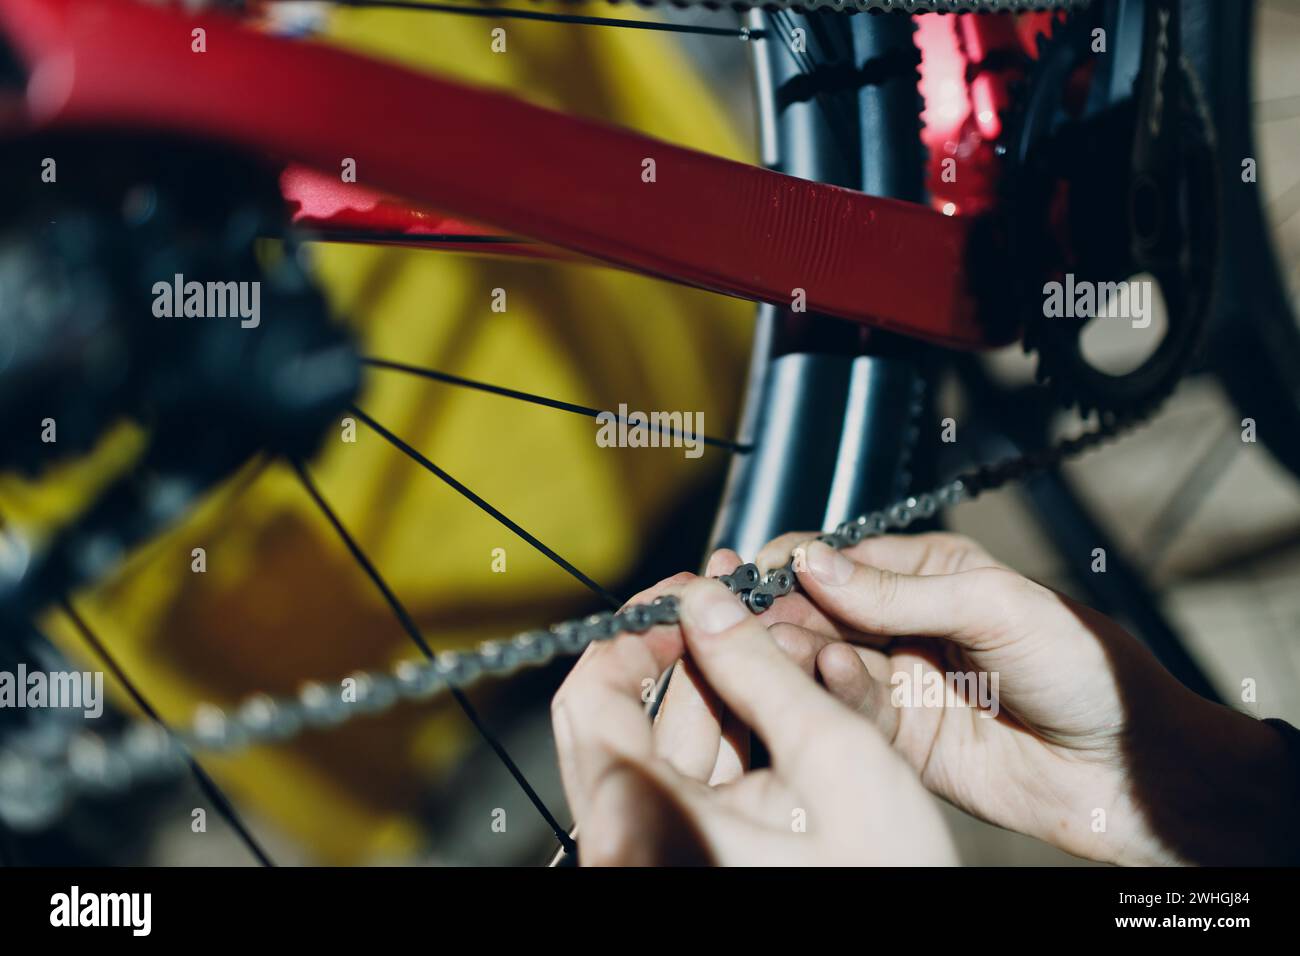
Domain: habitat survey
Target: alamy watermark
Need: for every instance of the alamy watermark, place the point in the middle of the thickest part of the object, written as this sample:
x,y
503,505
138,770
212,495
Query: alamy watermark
x,y
70,690
1131,299
921,688
209,300
624,429
133,911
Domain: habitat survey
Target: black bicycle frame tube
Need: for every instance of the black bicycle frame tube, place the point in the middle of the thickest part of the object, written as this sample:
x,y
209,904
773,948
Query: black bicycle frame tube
x,y
830,427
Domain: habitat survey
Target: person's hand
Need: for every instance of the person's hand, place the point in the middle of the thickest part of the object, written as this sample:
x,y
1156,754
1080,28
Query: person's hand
x,y
1058,724
679,792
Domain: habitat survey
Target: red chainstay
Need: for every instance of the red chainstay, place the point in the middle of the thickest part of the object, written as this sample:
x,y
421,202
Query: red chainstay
x,y
532,172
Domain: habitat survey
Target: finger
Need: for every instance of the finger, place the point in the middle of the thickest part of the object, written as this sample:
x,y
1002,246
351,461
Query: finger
x,y
752,676
857,676
804,645
691,731
761,797
795,608
780,550
669,585
640,817
733,753
722,561
799,610
800,644
970,607
688,730
733,749
598,714
935,552
845,672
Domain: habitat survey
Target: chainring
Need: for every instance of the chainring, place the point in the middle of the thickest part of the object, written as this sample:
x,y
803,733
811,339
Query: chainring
x,y
1065,186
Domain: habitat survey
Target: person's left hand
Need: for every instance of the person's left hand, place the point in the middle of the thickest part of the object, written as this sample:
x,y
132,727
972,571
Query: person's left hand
x,y
679,792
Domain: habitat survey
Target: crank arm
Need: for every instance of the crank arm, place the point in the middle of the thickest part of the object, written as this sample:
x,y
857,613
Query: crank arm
x,y
1154,181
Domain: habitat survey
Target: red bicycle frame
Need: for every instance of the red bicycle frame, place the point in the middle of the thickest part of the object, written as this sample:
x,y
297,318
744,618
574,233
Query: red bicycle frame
x,y
569,183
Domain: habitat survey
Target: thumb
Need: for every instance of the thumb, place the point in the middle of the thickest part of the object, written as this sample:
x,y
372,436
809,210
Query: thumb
x,y
848,678
754,677
967,607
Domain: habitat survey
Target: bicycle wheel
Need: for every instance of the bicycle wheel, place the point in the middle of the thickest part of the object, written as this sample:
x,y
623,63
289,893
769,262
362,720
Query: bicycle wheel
x,y
1256,329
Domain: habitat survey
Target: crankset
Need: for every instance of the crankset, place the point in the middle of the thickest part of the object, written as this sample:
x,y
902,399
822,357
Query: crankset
x,y
1112,194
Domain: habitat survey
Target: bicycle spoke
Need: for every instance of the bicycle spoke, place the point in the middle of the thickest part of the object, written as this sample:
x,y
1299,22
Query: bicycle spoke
x,y
416,635
507,13
209,786
449,379
399,610
425,463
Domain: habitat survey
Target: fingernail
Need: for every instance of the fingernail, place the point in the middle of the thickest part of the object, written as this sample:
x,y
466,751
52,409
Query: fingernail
x,y
713,609
828,565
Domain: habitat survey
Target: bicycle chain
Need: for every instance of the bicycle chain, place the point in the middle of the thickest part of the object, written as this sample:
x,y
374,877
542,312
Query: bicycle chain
x,y
880,6
48,767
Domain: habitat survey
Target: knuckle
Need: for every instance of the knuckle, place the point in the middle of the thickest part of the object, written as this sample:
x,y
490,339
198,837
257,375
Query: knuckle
x,y
881,587
558,701
954,541
948,552
958,550
1004,590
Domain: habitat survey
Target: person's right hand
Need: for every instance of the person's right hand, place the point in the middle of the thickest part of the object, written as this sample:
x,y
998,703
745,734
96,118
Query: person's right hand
x,y
1094,748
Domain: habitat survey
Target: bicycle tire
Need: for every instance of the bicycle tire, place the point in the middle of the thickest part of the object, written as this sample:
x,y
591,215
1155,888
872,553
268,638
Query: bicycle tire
x,y
1254,335
830,416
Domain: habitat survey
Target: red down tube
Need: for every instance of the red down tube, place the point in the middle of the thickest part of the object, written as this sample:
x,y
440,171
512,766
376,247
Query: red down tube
x,y
529,171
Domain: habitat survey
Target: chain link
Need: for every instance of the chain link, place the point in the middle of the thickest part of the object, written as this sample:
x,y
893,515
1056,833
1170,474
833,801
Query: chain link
x,y
45,767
